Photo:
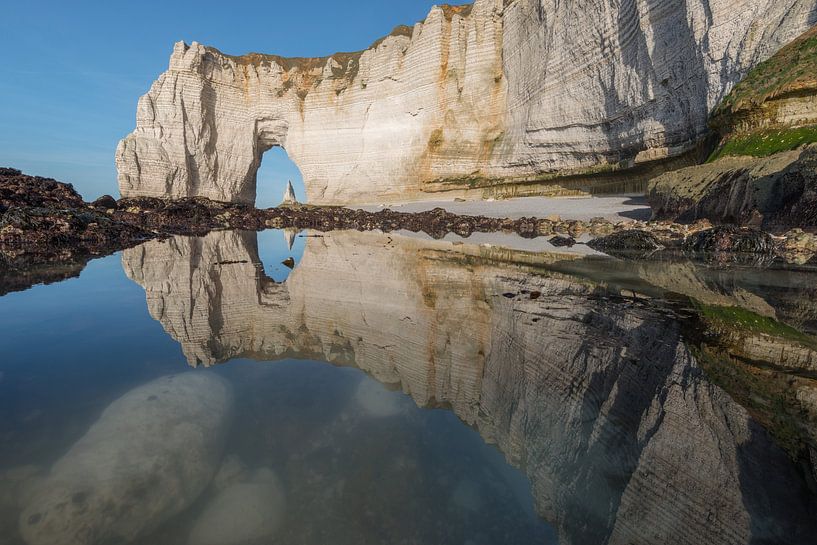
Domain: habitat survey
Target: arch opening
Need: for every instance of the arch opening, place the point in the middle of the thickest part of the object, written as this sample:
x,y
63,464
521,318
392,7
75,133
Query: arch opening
x,y
274,171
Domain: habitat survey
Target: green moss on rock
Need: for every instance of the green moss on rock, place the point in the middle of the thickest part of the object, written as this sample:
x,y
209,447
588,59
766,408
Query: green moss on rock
x,y
765,142
791,70
739,318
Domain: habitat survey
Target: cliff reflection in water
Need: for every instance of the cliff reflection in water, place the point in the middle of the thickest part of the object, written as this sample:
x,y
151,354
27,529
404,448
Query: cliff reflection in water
x,y
591,391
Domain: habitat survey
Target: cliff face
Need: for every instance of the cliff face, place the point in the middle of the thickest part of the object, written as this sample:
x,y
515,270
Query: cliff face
x,y
595,397
502,97
763,171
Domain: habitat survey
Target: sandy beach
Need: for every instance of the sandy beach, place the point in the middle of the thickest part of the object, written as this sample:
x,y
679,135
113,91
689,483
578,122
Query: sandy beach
x,y
613,208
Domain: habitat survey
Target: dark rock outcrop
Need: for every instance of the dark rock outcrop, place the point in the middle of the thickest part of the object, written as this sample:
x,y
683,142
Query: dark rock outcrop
x,y
728,238
105,202
627,243
20,190
561,241
48,233
773,192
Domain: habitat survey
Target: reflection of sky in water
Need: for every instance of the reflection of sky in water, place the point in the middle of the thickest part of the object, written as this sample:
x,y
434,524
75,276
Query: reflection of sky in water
x,y
340,457
273,250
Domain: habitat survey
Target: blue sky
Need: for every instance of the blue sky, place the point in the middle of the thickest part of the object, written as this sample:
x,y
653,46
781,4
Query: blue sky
x,y
72,71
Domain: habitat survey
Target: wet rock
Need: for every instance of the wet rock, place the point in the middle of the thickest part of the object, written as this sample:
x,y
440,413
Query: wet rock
x,y
47,245
45,228
602,229
47,232
545,227
289,262
231,471
20,190
105,202
631,240
799,246
728,238
778,191
148,457
245,513
562,241
14,484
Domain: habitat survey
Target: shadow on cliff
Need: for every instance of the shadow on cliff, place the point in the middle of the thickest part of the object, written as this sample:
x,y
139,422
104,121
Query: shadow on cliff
x,y
682,67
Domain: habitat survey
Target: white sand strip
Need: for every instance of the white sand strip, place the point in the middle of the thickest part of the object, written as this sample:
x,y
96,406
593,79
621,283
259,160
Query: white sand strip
x,y
613,208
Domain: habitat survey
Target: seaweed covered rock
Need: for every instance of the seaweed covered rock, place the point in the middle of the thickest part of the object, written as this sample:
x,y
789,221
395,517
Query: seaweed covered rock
x,y
730,239
18,189
48,233
105,202
43,227
560,241
631,240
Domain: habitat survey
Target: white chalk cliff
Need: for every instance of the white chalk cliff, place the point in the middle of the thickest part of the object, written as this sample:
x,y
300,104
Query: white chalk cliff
x,y
502,97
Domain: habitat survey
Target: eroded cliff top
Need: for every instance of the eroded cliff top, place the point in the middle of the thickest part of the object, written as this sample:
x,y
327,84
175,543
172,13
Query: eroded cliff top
x,y
348,61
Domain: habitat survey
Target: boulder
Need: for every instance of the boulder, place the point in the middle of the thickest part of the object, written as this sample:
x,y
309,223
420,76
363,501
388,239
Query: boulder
x,y
630,241
562,241
105,202
778,191
730,239
149,456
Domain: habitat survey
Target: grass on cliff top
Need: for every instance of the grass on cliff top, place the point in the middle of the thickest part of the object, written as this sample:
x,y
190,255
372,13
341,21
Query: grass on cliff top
x,y
792,69
765,142
740,318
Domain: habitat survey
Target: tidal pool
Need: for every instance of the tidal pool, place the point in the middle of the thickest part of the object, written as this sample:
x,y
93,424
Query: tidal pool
x,y
382,388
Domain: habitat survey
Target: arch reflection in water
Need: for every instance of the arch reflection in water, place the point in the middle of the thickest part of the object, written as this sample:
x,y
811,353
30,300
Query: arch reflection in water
x,y
595,396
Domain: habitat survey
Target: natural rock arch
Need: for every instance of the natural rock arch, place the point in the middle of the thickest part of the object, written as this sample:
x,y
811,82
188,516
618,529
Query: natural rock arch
x,y
499,98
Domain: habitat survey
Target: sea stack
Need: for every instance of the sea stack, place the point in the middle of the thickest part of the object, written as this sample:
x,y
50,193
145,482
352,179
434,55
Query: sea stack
x,y
289,196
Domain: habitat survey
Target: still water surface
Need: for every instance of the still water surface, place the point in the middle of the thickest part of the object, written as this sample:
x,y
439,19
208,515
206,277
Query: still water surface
x,y
391,389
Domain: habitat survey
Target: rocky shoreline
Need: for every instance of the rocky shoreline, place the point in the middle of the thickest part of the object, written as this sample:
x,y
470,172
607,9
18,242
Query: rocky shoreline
x,y
45,224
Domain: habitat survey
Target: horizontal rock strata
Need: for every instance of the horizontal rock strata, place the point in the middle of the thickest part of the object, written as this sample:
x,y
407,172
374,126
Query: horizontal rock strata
x,y
524,91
